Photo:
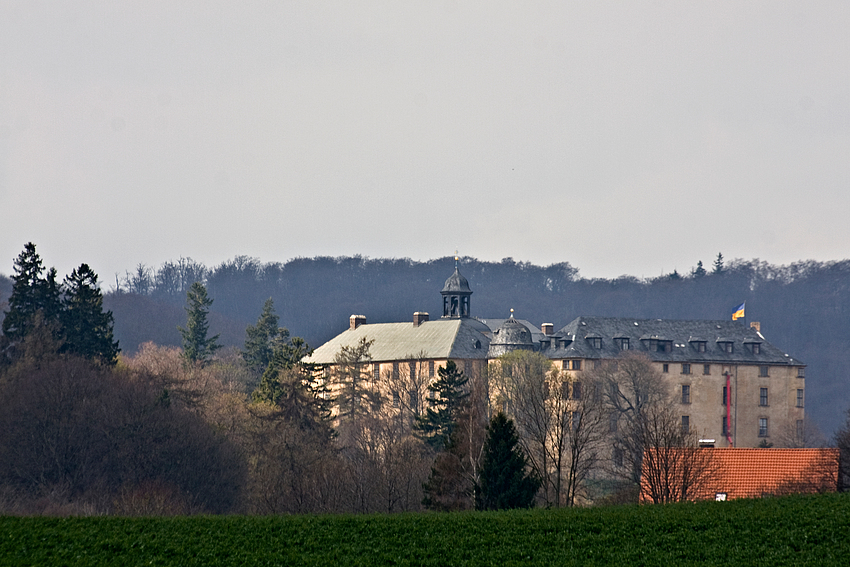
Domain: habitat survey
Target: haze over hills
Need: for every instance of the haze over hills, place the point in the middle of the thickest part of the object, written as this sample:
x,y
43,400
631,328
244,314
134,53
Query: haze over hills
x,y
803,307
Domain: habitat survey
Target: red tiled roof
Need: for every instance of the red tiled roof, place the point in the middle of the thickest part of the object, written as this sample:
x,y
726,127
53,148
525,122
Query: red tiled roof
x,y
748,473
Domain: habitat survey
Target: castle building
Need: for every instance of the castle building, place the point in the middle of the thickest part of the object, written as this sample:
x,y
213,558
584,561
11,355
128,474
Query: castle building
x,y
731,385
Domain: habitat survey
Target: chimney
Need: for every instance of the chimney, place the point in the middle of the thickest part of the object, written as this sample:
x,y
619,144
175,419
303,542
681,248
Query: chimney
x,y
756,325
419,317
356,320
547,328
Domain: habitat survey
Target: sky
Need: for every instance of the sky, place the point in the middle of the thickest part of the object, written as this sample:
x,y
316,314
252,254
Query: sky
x,y
622,137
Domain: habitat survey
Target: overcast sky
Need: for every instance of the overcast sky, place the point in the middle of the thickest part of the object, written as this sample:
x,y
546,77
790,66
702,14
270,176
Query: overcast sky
x,y
623,137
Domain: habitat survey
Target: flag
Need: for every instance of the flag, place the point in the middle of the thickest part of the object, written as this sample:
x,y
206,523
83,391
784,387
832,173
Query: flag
x,y
738,312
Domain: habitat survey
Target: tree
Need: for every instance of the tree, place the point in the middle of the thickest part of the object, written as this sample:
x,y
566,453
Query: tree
x,y
197,348
446,403
351,375
32,293
286,357
88,329
699,271
521,378
653,450
559,420
259,339
673,467
718,265
504,481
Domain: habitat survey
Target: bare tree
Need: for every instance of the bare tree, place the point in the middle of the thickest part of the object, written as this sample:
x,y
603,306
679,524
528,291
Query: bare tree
x,y
674,467
521,378
559,418
652,449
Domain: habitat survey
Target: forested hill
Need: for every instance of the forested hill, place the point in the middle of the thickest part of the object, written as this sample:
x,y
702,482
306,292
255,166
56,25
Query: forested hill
x,y
803,308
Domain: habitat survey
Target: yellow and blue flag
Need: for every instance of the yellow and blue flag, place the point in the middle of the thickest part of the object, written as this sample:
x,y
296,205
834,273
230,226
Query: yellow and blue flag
x,y
738,312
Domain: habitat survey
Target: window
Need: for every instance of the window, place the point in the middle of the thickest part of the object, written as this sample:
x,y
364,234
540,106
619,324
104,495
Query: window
x,y
706,369
724,425
762,427
725,395
799,397
729,348
762,370
756,348
376,372
686,368
800,430
762,396
576,365
665,367
686,394
576,420
801,372
430,368
617,457
686,424
612,423
623,343
596,342
565,365
701,346
395,370
414,399
577,390
396,400
411,368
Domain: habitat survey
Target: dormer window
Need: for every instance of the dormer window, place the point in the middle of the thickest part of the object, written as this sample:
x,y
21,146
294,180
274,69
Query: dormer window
x,y
725,346
622,343
595,342
756,348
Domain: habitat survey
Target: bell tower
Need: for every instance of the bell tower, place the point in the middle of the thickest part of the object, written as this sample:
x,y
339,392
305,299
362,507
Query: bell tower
x,y
456,294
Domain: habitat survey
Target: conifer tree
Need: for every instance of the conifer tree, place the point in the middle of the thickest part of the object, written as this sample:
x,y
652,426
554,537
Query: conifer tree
x,y
87,328
33,292
718,264
504,482
286,356
448,400
197,348
259,339
699,271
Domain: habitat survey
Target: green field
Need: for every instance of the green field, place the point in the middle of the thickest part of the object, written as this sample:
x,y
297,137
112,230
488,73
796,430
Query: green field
x,y
796,530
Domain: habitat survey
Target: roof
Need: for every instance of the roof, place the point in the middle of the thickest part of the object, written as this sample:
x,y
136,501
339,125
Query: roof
x,y
440,340
683,334
456,284
752,473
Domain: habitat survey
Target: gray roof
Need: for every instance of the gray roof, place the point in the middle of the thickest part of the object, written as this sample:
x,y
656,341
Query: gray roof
x,y
440,339
456,284
683,334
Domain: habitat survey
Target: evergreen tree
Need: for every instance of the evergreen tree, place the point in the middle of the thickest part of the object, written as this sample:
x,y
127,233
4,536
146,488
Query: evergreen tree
x,y
32,293
260,338
448,400
504,482
87,328
718,264
286,356
351,374
197,348
699,271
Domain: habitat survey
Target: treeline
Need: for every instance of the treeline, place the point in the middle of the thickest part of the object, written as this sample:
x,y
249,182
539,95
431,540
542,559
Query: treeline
x,y
255,429
802,307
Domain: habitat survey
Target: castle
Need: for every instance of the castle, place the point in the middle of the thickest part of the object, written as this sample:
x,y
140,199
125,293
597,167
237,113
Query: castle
x,y
731,385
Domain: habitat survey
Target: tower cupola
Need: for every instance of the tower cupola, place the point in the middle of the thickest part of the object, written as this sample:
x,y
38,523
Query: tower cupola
x,y
456,294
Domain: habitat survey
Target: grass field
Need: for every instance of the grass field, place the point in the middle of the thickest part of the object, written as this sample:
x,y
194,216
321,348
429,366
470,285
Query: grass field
x,y
796,530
